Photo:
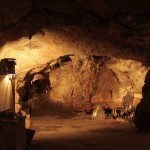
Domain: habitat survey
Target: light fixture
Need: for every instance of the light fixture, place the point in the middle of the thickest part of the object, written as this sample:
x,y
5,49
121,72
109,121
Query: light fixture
x,y
7,70
11,76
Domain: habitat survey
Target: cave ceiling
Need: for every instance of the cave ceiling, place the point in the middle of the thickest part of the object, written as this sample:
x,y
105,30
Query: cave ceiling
x,y
119,24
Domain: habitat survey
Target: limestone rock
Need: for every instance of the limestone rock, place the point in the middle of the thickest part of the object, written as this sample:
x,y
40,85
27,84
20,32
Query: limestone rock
x,y
117,79
81,83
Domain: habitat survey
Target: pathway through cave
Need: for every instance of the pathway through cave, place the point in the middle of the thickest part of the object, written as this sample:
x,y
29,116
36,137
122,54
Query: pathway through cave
x,y
86,133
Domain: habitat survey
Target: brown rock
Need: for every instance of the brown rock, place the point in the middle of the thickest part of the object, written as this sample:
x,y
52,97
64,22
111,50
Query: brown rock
x,y
142,114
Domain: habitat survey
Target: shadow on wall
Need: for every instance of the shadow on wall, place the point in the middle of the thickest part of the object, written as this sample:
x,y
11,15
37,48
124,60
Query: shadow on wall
x,y
37,83
34,92
142,114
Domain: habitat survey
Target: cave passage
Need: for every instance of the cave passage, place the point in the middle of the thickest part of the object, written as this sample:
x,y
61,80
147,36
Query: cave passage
x,y
82,76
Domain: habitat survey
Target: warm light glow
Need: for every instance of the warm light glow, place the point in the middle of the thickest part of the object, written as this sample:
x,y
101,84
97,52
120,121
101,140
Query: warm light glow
x,y
95,112
6,79
11,76
5,92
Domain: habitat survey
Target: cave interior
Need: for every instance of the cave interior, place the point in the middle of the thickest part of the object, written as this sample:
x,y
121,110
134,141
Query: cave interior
x,y
81,72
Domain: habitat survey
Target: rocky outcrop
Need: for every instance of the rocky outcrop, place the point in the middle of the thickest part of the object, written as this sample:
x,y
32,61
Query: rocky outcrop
x,y
142,114
81,83
119,78
73,82
39,33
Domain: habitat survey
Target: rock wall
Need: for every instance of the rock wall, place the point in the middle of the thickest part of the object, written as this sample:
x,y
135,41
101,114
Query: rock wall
x,y
80,83
40,33
119,78
142,114
117,29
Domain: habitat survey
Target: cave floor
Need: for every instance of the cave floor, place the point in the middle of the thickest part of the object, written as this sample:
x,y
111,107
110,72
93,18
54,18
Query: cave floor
x,y
63,132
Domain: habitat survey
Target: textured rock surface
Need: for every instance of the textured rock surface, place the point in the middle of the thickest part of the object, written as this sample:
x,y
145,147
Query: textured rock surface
x,y
118,29
118,78
124,75
38,32
83,82
142,114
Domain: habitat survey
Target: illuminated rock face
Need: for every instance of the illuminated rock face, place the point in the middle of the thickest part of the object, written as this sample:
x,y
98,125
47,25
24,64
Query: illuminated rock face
x,y
85,81
130,75
119,78
110,29
78,82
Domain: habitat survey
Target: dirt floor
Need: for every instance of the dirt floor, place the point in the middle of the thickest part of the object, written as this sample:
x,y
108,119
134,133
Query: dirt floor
x,y
82,132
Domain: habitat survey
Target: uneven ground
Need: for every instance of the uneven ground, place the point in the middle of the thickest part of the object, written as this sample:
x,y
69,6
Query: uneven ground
x,y
66,132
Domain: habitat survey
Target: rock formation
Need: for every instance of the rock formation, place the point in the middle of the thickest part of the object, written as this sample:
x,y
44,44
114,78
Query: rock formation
x,y
106,44
81,83
142,114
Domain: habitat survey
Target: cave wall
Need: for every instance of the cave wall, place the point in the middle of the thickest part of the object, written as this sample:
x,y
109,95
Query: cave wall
x,y
142,114
76,85
117,29
37,32
83,82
